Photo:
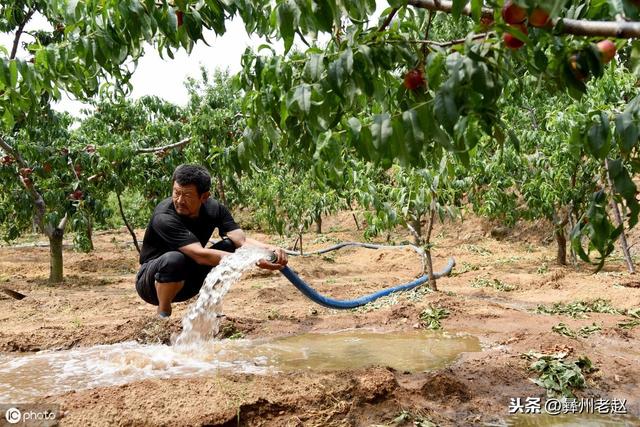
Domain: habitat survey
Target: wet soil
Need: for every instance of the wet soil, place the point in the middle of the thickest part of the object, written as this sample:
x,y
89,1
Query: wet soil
x,y
97,304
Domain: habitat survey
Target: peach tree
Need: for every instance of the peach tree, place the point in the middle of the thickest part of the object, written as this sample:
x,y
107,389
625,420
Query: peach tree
x,y
549,174
396,91
389,91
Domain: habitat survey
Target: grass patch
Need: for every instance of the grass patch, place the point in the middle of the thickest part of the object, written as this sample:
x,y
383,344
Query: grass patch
x,y
330,258
323,238
273,314
583,332
544,268
483,282
230,331
431,317
629,323
477,249
418,293
634,314
464,268
508,260
415,295
579,309
386,301
557,375
405,418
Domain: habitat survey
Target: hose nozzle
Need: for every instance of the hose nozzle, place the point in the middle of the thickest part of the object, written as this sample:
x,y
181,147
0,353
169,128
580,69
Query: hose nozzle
x,y
272,257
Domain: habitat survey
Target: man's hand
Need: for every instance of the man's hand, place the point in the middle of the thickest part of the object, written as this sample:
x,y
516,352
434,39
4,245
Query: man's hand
x,y
280,262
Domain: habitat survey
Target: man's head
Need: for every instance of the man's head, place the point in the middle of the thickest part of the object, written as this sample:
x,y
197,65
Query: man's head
x,y
191,186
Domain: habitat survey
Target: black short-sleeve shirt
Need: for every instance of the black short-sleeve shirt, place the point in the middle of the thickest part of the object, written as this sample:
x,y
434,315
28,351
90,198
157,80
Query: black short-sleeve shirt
x,y
167,231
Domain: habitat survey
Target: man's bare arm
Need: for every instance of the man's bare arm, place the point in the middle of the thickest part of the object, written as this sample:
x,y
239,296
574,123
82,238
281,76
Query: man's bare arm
x,y
237,237
240,239
203,256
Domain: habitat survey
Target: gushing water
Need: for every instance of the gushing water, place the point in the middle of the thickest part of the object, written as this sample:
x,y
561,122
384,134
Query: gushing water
x,y
202,321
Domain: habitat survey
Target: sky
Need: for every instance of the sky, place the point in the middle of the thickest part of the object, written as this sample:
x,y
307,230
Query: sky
x,y
165,77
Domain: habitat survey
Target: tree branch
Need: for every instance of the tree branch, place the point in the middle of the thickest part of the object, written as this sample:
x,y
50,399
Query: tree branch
x,y
388,20
16,38
38,201
449,43
166,147
63,222
576,27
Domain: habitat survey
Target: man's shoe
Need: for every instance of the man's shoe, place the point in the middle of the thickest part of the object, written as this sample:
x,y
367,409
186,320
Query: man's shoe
x,y
164,315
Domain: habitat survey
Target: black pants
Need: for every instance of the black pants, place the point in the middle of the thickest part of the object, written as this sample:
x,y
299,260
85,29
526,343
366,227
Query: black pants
x,y
175,266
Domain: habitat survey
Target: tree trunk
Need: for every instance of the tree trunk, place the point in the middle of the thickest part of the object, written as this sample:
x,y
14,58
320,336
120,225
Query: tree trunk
x,y
55,253
561,240
417,227
126,223
319,224
616,214
300,240
427,249
623,239
89,232
355,218
432,280
220,186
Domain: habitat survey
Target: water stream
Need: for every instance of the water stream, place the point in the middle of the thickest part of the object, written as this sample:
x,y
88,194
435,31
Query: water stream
x,y
202,322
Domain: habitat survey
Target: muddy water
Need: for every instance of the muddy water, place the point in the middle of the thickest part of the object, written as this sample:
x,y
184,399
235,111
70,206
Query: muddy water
x,y
195,353
25,378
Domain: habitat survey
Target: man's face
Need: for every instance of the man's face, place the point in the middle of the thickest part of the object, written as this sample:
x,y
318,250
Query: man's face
x,y
186,199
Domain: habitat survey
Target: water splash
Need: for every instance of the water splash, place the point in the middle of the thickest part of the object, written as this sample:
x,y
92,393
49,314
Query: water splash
x,y
202,321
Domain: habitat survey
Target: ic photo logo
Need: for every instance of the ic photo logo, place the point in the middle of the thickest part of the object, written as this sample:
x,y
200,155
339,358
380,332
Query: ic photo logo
x,y
13,415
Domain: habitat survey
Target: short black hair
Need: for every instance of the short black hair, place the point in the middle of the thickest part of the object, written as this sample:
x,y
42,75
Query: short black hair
x,y
193,174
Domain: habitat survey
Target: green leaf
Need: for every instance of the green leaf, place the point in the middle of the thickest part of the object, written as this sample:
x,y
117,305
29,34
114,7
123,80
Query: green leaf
x,y
314,67
414,137
598,136
381,131
399,143
435,69
193,25
4,79
594,60
8,120
397,3
300,101
446,110
325,14
634,58
476,9
457,7
623,185
627,132
336,76
13,73
288,17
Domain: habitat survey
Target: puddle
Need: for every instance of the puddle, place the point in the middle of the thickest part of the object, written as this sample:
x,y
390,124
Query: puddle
x,y
573,420
25,378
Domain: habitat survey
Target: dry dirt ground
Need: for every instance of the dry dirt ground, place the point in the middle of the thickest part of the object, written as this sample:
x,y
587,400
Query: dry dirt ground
x,y
98,304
